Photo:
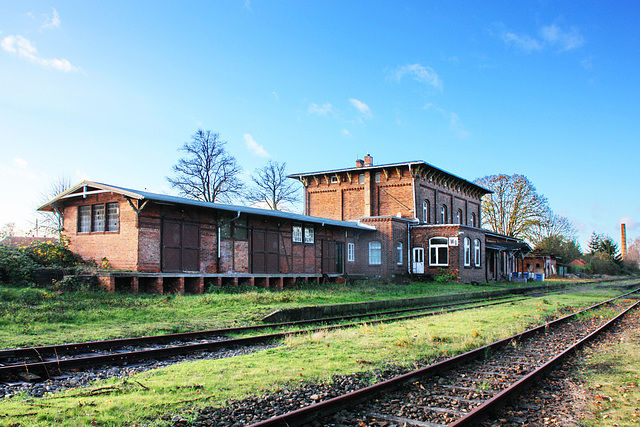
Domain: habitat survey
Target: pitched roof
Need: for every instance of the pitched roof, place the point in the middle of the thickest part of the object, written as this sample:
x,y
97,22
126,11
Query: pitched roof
x,y
417,164
85,188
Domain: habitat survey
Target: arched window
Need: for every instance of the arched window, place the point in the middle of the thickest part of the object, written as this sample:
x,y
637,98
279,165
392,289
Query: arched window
x,y
399,253
375,253
476,252
473,220
425,211
443,214
467,252
438,251
459,217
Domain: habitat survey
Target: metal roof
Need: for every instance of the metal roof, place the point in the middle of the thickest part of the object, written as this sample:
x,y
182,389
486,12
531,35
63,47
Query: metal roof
x,y
168,199
298,176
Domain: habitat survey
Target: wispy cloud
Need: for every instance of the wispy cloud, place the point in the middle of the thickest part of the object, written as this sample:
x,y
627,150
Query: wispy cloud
x,y
563,40
549,37
420,73
321,110
362,107
454,120
52,21
18,45
20,169
254,147
345,132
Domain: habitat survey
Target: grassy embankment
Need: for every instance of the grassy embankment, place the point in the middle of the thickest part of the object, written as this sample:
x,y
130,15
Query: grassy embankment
x,y
316,357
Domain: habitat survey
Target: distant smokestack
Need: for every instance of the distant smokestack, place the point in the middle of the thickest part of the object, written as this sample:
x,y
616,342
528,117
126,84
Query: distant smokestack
x,y
623,251
368,160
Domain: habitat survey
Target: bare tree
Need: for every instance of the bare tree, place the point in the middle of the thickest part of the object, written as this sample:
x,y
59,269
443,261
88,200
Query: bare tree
x,y
207,172
514,208
52,222
8,230
272,187
553,225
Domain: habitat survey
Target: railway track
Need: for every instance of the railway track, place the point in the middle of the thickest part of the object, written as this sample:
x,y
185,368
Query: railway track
x,y
462,390
34,364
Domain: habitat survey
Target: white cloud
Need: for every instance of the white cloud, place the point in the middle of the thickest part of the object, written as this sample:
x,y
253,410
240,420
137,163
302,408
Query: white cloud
x,y
631,224
19,168
362,107
454,120
565,40
52,21
524,42
22,47
254,147
321,110
275,95
345,132
420,73
550,36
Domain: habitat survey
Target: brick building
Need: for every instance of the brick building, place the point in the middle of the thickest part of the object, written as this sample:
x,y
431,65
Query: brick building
x,y
370,220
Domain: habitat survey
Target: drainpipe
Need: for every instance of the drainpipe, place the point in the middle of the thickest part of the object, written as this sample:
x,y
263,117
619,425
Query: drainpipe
x,y
219,239
415,216
409,246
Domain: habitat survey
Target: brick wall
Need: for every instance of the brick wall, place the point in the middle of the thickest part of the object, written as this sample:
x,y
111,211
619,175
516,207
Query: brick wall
x,y
420,236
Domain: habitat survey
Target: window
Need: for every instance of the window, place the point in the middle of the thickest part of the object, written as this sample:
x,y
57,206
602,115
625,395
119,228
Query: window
x,y
459,217
377,176
361,178
334,179
98,218
84,219
296,233
438,251
375,253
241,228
476,252
113,217
473,219
308,234
351,252
467,252
399,253
425,211
443,214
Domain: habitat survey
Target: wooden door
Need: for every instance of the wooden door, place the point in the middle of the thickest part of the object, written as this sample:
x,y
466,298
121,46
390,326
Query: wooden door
x,y
180,246
328,257
265,251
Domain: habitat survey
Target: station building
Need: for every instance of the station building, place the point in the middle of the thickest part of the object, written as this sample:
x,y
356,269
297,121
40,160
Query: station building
x,y
386,221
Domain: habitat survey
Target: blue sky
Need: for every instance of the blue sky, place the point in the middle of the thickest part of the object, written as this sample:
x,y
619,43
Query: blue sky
x,y
109,91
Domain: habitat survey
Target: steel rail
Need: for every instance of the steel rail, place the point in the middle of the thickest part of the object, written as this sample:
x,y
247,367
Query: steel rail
x,y
331,406
60,349
508,394
46,367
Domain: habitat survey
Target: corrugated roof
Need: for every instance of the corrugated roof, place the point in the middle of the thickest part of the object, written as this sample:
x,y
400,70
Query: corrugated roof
x,y
165,198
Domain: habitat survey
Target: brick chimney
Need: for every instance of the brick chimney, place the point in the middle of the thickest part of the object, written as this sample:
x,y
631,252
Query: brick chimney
x,y
359,163
623,232
368,160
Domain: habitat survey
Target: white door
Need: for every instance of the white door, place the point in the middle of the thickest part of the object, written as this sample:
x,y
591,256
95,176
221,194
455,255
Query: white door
x,y
418,261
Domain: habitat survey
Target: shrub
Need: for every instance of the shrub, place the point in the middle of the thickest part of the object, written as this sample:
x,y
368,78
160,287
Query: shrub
x,y
445,276
16,268
48,254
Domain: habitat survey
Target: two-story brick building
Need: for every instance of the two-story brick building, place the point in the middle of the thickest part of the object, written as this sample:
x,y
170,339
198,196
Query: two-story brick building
x,y
370,220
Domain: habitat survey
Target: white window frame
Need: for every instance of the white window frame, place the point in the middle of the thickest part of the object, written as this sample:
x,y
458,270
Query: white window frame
x,y
467,252
425,211
308,235
473,219
476,252
375,253
459,216
296,234
399,255
351,252
443,214
334,179
377,177
361,178
436,249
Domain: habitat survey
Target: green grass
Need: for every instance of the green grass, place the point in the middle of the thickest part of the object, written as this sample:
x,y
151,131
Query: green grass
x,y
30,316
613,379
180,388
